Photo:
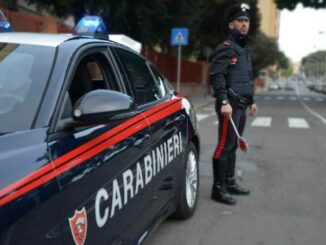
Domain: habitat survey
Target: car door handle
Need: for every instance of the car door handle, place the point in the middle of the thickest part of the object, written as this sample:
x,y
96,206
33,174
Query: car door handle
x,y
140,141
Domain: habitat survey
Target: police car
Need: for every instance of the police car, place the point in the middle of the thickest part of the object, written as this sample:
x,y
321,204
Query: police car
x,y
95,147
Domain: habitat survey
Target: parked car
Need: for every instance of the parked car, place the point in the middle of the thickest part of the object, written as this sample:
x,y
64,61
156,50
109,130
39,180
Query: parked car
x,y
273,86
95,148
289,86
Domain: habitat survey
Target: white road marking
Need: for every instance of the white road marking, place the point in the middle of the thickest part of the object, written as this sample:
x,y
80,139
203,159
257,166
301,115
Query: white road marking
x,y
280,97
308,108
267,97
216,123
201,117
209,109
306,99
262,122
320,99
297,123
293,98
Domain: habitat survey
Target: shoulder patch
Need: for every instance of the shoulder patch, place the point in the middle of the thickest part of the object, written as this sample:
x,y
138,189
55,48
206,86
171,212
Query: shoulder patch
x,y
227,43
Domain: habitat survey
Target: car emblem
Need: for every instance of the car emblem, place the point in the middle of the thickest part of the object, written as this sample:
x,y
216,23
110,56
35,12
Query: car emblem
x,y
78,226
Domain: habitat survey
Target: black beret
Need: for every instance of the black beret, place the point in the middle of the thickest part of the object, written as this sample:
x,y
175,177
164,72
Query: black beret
x,y
239,12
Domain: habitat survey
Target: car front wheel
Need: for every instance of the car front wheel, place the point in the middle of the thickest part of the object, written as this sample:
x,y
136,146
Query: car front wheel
x,y
188,194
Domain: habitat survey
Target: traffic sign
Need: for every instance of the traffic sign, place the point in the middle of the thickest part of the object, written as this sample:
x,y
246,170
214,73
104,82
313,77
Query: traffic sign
x,y
179,36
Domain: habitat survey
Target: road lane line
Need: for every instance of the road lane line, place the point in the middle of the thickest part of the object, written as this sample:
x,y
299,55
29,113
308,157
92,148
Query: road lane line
x,y
294,122
201,117
308,108
262,122
293,98
209,109
280,97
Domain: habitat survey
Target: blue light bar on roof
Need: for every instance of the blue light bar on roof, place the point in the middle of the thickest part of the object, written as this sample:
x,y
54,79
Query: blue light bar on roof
x,y
4,24
91,26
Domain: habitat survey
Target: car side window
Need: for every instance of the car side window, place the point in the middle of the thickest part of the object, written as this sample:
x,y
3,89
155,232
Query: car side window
x,y
92,72
160,81
145,87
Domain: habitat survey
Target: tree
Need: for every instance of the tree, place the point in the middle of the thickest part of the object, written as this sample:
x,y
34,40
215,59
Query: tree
x,y
291,4
150,22
265,52
314,64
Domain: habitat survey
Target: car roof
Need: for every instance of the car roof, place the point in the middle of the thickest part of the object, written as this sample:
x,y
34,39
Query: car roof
x,y
42,39
52,40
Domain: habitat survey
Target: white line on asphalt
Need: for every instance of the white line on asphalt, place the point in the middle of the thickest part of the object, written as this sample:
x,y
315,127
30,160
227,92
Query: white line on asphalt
x,y
293,98
320,99
262,122
216,123
308,108
201,117
209,109
297,123
280,97
306,99
267,97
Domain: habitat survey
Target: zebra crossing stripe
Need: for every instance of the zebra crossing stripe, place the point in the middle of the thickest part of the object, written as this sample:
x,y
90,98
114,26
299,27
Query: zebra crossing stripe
x,y
297,123
201,117
209,109
262,122
293,98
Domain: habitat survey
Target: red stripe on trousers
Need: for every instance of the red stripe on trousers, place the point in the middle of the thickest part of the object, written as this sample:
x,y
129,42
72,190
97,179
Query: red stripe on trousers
x,y
221,145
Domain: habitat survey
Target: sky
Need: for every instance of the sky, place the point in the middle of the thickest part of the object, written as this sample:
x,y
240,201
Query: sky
x,y
300,32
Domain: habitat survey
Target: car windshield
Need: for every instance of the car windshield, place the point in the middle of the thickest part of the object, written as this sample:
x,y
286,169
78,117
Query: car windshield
x,y
24,70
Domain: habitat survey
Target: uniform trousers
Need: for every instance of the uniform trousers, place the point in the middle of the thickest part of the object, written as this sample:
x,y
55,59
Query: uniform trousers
x,y
224,158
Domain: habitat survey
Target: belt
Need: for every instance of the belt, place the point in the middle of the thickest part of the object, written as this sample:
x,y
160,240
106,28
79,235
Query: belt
x,y
238,98
243,99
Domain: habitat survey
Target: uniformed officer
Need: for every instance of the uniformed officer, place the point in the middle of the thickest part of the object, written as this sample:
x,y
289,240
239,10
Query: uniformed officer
x,y
232,81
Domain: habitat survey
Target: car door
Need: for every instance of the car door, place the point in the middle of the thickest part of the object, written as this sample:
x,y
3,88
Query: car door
x,y
100,165
168,127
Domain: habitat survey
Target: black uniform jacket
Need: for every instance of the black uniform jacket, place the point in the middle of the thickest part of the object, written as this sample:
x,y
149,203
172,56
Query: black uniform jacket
x,y
224,58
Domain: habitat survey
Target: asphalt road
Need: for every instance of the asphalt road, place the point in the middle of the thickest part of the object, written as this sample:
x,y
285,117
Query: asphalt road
x,y
285,169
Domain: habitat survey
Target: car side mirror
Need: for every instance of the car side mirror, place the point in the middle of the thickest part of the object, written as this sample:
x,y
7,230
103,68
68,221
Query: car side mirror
x,y
104,106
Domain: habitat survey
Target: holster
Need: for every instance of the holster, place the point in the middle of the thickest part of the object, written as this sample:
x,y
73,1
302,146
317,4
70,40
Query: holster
x,y
238,100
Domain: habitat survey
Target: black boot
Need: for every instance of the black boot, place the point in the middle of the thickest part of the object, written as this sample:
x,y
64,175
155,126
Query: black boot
x,y
219,192
232,187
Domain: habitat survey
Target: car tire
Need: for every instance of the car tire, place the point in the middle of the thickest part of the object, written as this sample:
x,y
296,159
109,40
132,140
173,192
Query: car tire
x,y
189,185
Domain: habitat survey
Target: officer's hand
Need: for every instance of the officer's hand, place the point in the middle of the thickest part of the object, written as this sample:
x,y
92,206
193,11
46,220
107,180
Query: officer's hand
x,y
253,110
226,110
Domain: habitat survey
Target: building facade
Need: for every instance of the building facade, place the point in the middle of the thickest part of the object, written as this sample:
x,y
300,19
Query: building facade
x,y
270,18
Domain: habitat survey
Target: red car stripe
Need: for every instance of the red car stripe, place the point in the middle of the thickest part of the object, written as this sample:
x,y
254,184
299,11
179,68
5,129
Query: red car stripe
x,y
79,150
86,151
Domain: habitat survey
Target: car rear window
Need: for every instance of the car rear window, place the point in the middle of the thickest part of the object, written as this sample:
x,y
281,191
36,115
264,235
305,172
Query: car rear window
x,y
25,70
